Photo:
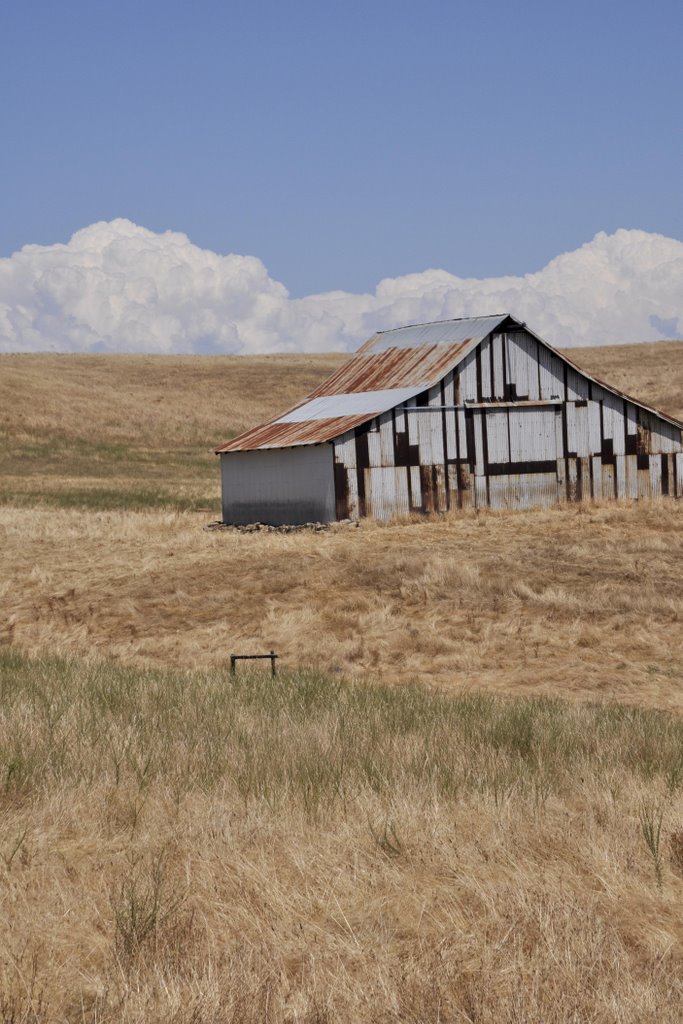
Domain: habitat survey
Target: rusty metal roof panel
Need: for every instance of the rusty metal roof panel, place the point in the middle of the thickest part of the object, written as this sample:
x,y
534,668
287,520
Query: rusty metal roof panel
x,y
387,370
287,435
393,368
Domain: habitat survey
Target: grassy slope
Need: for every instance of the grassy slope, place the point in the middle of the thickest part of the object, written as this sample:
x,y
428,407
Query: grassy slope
x,y
177,848
135,431
585,601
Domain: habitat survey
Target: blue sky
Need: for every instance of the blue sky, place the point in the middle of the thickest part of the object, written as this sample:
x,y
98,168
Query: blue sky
x,y
343,143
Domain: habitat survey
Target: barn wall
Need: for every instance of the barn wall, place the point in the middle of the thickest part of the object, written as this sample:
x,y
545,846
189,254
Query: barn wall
x,y
279,486
512,427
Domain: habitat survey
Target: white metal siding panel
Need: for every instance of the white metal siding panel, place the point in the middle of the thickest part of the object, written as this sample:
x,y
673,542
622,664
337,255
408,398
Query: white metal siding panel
x,y
528,490
620,461
522,352
478,443
424,435
387,491
551,374
577,385
559,450
462,434
613,424
415,486
279,485
480,492
498,374
374,448
679,475
597,477
608,481
532,435
430,434
449,399
631,476
468,378
497,435
485,356
451,442
345,450
631,420
386,439
594,435
655,477
578,429
665,438
412,421
518,369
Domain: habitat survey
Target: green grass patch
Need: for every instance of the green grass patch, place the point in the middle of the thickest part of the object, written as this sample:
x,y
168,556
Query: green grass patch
x,y
310,741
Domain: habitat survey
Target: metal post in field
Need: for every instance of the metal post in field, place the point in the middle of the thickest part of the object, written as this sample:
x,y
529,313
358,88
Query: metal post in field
x,y
234,658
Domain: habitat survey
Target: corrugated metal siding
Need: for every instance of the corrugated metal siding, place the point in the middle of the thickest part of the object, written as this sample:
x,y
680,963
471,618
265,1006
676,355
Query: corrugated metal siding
x,y
572,440
283,486
473,412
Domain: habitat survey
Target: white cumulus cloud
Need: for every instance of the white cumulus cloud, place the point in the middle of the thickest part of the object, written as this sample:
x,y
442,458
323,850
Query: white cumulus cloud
x,y
118,287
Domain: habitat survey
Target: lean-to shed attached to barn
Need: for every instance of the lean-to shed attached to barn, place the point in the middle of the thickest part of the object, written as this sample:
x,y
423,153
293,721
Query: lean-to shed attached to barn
x,y
478,412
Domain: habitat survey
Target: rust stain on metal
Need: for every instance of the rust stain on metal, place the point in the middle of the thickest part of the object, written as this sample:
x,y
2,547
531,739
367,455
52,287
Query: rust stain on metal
x,y
495,422
392,368
285,435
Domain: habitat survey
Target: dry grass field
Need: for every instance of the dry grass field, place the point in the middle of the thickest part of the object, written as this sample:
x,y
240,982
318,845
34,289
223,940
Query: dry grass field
x,y
498,838
177,848
135,432
130,432
582,602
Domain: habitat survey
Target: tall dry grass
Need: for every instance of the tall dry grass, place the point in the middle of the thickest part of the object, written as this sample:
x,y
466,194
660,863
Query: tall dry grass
x,y
582,601
178,847
181,847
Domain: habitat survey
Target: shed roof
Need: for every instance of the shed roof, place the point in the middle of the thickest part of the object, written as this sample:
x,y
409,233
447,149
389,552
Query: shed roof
x,y
389,369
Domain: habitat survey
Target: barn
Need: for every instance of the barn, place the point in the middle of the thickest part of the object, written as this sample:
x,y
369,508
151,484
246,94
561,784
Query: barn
x,y
477,412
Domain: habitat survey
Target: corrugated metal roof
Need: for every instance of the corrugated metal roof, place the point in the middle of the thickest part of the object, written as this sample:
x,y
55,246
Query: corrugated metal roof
x,y
391,367
440,333
351,404
287,435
